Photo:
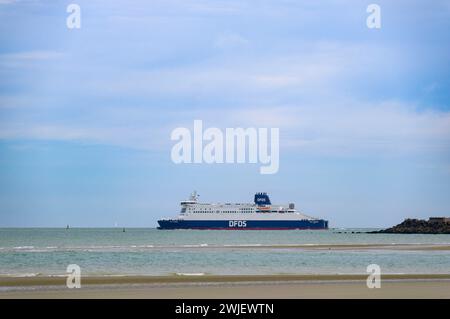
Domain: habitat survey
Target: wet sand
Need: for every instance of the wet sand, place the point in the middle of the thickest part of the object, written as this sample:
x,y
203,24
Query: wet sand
x,y
410,247
270,286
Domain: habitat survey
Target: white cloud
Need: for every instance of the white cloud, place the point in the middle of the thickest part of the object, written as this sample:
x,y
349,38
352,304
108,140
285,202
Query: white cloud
x,y
230,40
310,68
342,128
320,120
21,59
215,7
8,1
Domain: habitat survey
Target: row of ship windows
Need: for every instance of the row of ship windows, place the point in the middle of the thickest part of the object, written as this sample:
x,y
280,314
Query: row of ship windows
x,y
235,212
229,211
223,211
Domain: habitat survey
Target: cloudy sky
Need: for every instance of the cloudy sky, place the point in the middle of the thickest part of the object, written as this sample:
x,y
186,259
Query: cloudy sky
x,y
86,114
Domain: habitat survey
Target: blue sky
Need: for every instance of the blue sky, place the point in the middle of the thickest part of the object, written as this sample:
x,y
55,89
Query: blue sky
x,y
86,114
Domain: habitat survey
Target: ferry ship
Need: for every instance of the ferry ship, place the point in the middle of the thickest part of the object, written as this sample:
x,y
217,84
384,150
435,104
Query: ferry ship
x,y
260,214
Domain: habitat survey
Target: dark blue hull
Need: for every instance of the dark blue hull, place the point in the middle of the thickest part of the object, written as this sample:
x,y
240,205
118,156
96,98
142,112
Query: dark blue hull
x,y
242,225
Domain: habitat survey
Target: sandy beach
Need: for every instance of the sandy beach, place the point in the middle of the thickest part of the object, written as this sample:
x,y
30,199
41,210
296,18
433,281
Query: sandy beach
x,y
267,286
340,247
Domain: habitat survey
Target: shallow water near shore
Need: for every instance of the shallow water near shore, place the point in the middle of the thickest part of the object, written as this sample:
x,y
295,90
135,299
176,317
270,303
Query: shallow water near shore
x,y
139,251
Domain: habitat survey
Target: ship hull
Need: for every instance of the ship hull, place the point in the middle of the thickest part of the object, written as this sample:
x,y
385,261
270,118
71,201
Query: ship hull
x,y
242,224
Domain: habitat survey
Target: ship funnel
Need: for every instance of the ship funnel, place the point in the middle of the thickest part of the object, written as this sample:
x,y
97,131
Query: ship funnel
x,y
262,199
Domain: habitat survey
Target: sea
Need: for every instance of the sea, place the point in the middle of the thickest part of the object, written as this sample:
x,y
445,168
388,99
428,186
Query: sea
x,y
145,251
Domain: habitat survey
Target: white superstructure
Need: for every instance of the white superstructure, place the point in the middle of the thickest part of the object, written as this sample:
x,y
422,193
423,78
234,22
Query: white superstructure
x,y
192,209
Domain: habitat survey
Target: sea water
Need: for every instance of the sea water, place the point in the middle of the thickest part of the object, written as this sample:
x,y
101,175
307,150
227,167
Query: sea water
x,y
139,251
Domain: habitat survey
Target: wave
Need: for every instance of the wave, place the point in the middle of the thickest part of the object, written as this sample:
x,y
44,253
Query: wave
x,y
152,247
30,274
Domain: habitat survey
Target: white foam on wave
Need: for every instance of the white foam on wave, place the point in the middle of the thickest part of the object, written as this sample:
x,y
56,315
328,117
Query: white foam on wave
x,y
190,246
31,274
244,245
23,247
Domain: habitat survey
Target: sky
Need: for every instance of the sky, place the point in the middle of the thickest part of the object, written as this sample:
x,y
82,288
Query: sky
x,y
86,114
